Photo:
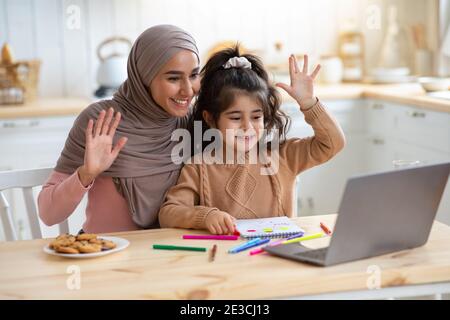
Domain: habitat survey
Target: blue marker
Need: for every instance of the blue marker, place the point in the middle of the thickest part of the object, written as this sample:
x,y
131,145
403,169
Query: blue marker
x,y
248,245
232,250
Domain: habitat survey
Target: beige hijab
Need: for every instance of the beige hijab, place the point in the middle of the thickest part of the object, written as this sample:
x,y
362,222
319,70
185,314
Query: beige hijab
x,y
143,171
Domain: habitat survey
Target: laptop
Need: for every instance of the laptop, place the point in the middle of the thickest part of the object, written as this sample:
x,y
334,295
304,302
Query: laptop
x,y
379,213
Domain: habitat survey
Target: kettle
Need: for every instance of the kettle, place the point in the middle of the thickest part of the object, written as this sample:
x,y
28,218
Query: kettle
x,y
112,71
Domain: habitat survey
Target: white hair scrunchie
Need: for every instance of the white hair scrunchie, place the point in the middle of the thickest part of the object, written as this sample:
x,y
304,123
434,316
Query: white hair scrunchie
x,y
237,62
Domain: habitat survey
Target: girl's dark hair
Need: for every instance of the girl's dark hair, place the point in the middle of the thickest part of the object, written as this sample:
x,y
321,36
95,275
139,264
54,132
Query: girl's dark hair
x,y
219,87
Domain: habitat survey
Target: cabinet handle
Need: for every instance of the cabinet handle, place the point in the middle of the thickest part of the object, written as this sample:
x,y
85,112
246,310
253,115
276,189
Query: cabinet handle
x,y
417,114
311,202
378,106
28,124
377,141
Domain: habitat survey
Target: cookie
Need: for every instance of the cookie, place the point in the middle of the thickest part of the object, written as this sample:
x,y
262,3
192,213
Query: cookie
x,y
69,250
89,248
86,236
77,244
108,245
62,241
96,241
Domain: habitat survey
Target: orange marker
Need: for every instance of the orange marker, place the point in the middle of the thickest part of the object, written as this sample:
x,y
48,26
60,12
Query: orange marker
x,y
325,228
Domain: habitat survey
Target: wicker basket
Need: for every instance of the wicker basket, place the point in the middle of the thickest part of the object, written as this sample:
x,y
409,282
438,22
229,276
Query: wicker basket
x,y
19,81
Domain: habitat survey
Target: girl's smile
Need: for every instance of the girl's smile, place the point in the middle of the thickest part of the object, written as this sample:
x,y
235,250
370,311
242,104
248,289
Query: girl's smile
x,y
242,124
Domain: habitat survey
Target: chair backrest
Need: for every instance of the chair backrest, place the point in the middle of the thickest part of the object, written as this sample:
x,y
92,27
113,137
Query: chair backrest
x,y
25,180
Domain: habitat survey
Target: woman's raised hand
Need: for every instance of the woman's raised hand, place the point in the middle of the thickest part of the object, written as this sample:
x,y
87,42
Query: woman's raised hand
x,y
99,151
301,88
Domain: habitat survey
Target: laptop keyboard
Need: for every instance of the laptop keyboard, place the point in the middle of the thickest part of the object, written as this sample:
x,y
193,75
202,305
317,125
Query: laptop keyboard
x,y
318,254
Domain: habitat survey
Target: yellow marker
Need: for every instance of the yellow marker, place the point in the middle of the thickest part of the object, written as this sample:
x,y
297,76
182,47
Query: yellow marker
x,y
267,230
310,237
284,228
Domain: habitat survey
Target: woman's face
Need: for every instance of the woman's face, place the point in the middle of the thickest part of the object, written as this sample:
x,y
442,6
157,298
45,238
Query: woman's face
x,y
244,122
177,83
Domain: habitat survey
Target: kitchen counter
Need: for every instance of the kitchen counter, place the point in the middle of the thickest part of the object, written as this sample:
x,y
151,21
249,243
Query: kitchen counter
x,y
45,107
410,94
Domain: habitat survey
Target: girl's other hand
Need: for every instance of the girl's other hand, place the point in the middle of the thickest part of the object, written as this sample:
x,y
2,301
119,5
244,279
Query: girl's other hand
x,y
301,88
220,222
99,151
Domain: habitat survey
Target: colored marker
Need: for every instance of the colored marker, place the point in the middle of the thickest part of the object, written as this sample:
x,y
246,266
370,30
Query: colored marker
x,y
209,237
300,234
249,245
245,244
325,228
213,253
289,240
169,247
261,250
310,237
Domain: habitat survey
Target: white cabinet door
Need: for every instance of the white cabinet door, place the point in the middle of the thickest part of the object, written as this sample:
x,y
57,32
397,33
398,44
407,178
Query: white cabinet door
x,y
321,188
423,128
427,156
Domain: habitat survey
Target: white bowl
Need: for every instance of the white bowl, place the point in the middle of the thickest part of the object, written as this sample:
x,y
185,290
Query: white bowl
x,y
430,84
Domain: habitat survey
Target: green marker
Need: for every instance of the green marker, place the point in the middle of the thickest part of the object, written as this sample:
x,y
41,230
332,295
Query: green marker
x,y
169,247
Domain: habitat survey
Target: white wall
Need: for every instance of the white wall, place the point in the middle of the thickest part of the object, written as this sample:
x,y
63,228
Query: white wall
x,y
39,28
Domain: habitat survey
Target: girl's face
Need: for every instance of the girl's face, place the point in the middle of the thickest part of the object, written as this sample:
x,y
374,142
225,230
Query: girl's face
x,y
177,83
244,121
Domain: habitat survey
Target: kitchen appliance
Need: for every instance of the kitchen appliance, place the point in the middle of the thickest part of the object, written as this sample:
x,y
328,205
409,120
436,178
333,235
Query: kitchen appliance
x,y
112,71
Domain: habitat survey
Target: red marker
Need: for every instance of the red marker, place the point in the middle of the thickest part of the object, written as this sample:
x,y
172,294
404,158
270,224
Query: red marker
x,y
325,228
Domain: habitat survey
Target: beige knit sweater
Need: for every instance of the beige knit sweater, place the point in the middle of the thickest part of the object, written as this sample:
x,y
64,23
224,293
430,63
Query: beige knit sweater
x,y
240,189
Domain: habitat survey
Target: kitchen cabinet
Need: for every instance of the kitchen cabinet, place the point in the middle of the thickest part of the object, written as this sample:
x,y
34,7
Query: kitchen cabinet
x,y
400,132
34,143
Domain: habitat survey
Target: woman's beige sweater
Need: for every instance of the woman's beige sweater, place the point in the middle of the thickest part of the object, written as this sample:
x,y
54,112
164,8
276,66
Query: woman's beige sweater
x,y
240,189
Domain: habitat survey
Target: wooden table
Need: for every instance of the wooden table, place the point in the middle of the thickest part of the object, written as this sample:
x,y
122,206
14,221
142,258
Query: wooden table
x,y
139,272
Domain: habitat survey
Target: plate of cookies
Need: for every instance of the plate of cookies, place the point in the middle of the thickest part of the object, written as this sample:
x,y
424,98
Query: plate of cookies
x,y
86,245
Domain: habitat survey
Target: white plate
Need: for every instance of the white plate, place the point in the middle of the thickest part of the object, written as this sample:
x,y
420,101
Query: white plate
x,y
120,242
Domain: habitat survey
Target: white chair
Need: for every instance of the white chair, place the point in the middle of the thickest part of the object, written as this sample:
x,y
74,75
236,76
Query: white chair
x,y
25,180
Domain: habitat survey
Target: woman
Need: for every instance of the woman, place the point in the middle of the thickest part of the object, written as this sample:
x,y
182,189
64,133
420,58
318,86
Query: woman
x,y
123,160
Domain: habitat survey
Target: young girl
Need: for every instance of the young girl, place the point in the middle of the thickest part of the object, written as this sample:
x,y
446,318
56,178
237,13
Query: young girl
x,y
236,95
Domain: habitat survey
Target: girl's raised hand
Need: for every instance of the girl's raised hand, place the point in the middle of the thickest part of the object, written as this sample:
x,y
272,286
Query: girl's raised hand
x,y
99,151
301,88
